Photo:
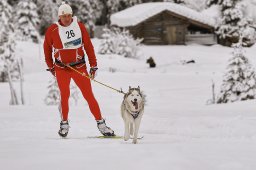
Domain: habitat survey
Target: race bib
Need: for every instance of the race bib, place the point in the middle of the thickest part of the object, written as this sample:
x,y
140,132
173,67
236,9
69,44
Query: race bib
x,y
71,36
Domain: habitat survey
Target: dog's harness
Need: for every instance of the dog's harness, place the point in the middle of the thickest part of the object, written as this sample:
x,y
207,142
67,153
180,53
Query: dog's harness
x,y
135,115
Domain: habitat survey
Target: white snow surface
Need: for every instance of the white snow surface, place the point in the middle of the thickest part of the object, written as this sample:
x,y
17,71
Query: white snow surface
x,y
138,13
181,132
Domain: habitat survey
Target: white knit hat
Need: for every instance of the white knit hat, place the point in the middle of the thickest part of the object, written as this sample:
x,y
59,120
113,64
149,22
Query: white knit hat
x,y
65,9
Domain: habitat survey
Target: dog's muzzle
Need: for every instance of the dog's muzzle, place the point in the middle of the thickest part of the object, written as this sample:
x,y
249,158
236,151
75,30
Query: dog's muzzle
x,y
135,104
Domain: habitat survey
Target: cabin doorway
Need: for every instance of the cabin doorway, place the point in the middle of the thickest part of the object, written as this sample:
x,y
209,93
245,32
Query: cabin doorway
x,y
175,34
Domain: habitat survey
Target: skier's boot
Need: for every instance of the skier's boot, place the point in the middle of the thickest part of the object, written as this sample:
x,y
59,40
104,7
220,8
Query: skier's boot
x,y
64,127
106,131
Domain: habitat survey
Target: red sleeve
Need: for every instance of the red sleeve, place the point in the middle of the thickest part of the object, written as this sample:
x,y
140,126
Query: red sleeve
x,y
88,45
48,47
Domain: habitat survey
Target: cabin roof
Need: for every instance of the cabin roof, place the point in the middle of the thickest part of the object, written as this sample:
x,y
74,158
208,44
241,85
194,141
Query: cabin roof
x,y
136,14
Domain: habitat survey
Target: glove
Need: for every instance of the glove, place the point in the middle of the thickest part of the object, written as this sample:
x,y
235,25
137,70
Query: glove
x,y
52,70
93,72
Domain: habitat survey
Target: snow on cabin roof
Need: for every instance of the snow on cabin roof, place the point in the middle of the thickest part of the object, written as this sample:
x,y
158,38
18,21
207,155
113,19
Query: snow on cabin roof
x,y
138,13
213,11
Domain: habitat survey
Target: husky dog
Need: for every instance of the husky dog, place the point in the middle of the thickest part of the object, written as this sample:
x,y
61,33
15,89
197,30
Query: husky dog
x,y
132,109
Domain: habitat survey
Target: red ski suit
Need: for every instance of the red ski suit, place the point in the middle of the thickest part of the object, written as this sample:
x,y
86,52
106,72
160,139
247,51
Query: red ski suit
x,y
53,48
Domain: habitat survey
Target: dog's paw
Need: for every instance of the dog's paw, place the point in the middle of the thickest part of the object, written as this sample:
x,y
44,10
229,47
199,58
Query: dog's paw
x,y
134,141
126,138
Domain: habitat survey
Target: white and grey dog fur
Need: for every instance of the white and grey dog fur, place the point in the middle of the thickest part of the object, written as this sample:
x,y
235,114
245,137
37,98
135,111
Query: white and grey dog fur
x,y
132,109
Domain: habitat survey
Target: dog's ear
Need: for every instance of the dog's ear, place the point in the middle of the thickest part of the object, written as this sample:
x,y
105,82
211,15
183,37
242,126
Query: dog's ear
x,y
130,88
139,88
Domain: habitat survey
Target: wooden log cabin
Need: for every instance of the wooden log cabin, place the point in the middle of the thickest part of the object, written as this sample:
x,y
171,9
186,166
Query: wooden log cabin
x,y
165,23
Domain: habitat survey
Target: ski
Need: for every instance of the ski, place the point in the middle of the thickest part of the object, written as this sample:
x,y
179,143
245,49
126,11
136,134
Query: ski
x,y
110,137
106,137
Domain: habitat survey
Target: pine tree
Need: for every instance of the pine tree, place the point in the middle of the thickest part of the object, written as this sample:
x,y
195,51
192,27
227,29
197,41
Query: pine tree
x,y
12,2
109,7
47,11
175,1
229,29
7,44
121,42
240,80
74,94
211,2
128,3
10,69
26,21
112,7
106,46
232,21
53,96
87,12
126,45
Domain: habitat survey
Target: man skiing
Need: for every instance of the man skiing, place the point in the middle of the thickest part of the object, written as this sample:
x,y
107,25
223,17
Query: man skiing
x,y
67,40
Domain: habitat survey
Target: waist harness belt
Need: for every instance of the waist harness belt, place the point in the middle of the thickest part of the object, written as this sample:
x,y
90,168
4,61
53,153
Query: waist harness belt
x,y
82,61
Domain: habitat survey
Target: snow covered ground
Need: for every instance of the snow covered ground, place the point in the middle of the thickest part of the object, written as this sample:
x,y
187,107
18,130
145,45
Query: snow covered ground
x,y
181,132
